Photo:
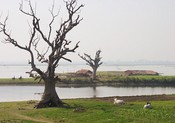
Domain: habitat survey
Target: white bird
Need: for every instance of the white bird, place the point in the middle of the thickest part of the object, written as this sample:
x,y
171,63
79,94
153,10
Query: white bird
x,y
120,102
147,105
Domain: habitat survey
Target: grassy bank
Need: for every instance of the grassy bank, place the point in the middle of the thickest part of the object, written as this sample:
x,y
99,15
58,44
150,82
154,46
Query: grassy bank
x,y
116,78
17,81
89,111
108,78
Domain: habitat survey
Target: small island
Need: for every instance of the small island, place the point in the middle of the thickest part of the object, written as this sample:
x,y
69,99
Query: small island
x,y
82,78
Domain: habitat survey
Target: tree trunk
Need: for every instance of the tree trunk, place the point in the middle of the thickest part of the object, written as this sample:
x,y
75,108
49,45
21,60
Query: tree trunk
x,y
94,73
50,97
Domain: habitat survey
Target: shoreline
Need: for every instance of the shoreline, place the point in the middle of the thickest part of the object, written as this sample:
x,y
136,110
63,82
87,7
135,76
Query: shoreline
x,y
97,84
137,98
160,97
91,84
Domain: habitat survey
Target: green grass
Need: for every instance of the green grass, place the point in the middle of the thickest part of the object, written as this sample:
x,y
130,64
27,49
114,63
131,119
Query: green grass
x,y
120,76
23,80
90,111
161,80
122,79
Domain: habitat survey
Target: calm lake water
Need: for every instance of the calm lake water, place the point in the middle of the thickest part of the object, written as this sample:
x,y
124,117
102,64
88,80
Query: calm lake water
x,y
9,71
22,93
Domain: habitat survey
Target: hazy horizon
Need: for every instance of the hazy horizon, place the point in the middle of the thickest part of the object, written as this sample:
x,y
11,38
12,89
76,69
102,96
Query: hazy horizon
x,y
125,30
139,62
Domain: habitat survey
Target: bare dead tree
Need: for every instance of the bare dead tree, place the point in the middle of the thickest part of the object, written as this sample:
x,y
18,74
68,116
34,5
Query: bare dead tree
x,y
58,47
93,63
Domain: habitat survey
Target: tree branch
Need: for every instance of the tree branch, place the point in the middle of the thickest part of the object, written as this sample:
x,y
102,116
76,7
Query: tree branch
x,y
36,21
92,62
52,20
58,47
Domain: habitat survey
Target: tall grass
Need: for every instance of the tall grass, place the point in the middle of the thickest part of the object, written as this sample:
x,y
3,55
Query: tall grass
x,y
119,77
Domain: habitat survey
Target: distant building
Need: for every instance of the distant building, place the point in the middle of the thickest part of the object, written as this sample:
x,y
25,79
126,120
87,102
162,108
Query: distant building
x,y
84,72
140,72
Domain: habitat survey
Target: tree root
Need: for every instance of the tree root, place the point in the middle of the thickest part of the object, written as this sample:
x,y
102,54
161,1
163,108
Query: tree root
x,y
49,103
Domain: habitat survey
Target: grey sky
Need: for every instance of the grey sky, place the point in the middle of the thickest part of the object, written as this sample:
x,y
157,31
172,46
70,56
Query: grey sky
x,y
125,30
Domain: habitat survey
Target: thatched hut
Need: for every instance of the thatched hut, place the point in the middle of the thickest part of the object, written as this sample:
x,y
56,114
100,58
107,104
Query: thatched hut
x,y
83,72
140,72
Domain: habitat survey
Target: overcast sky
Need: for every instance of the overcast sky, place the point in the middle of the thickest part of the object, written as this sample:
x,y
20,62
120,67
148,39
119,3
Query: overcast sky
x,y
125,30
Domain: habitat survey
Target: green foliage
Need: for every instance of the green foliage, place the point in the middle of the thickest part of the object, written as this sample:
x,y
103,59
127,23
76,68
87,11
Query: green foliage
x,y
89,110
76,80
140,80
148,79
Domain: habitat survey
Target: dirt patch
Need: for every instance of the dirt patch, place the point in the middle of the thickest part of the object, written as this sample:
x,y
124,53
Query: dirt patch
x,y
139,98
32,119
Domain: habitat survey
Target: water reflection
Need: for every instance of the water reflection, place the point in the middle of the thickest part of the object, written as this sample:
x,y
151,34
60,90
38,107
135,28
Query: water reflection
x,y
94,91
20,93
